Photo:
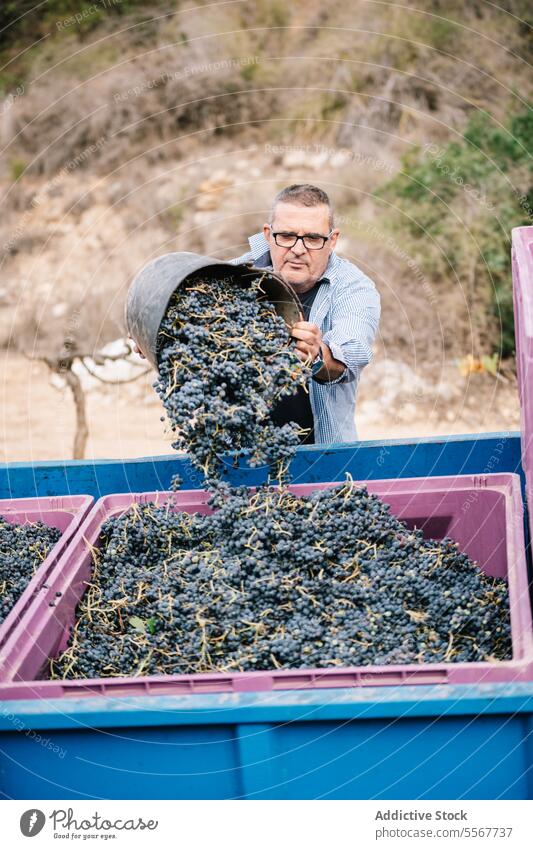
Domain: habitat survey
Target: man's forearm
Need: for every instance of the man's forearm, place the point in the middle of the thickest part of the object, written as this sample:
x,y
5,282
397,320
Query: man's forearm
x,y
332,368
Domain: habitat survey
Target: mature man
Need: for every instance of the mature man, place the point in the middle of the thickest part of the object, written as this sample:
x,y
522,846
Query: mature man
x,y
340,304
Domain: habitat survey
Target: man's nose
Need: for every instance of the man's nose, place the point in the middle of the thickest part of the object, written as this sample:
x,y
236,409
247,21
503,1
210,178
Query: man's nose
x,y
299,248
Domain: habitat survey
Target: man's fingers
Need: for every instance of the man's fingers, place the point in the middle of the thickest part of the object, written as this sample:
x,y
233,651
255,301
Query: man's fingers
x,y
305,325
306,335
308,351
306,331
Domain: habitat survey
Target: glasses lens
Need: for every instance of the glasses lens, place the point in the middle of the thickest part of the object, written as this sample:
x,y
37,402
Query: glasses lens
x,y
314,243
285,240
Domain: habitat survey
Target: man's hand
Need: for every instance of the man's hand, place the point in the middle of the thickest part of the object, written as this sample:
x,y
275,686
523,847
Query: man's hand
x,y
310,345
309,340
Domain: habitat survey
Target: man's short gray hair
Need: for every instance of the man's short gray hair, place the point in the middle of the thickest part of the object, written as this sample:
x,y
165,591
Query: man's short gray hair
x,y
303,194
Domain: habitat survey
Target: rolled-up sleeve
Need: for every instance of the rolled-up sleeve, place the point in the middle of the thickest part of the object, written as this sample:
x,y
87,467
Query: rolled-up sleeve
x,y
355,313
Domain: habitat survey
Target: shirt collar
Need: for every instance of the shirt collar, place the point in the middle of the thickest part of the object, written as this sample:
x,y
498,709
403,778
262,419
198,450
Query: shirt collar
x,y
260,252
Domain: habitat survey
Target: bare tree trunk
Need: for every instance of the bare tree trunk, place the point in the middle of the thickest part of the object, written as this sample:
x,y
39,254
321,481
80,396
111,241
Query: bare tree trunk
x,y
82,431
62,364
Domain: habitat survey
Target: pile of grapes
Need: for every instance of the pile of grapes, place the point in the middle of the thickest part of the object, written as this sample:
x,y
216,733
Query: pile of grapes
x,y
272,580
224,359
22,550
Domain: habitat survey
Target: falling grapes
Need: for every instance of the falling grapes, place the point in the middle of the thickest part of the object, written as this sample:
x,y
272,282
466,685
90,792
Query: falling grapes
x,y
224,359
22,550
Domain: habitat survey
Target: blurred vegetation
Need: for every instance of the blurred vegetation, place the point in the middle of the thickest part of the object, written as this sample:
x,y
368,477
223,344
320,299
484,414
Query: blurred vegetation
x,y
17,168
28,29
27,21
24,15
466,196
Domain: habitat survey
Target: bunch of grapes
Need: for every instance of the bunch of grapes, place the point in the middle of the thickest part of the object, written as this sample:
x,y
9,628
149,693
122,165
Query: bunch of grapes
x,y
22,550
272,580
224,360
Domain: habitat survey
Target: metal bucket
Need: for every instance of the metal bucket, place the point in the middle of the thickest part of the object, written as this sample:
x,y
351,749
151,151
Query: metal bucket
x,y
152,288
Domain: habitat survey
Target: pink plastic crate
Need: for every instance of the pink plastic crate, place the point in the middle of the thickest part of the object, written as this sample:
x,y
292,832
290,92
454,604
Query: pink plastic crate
x,y
64,513
482,513
522,254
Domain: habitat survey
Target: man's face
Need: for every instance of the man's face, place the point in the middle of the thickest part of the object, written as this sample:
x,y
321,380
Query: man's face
x,y
298,266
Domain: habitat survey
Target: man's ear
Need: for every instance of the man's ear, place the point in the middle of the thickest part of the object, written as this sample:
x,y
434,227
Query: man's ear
x,y
333,238
266,231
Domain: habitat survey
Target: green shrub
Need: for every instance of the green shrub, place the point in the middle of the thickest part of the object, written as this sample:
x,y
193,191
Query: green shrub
x,y
462,201
248,72
27,21
16,168
279,13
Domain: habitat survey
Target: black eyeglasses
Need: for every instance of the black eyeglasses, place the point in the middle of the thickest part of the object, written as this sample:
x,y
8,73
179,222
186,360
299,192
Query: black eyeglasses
x,y
311,241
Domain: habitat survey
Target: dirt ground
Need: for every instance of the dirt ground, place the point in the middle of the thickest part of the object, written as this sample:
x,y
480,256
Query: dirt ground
x,y
37,420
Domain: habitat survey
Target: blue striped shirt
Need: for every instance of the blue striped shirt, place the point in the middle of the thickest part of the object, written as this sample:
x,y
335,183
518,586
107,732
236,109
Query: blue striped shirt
x,y
347,310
